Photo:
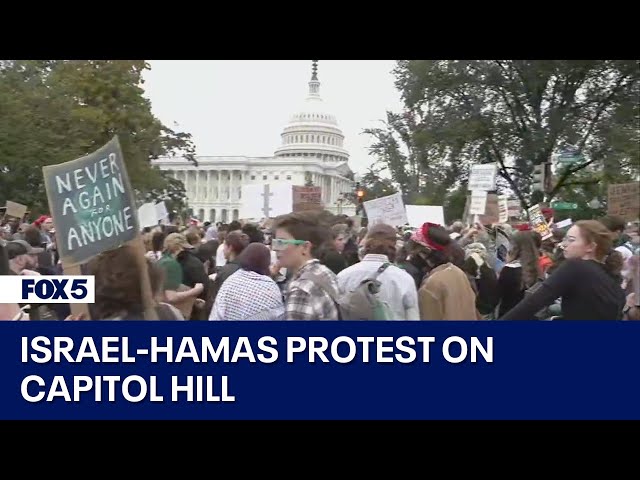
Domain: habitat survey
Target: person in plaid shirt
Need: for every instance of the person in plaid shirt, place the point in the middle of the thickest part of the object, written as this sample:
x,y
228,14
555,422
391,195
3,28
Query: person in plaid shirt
x,y
313,288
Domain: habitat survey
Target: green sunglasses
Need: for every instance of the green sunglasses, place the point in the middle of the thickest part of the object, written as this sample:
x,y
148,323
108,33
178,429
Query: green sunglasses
x,y
282,243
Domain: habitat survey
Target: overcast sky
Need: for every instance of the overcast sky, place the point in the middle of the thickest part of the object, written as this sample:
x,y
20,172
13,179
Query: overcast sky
x,y
240,107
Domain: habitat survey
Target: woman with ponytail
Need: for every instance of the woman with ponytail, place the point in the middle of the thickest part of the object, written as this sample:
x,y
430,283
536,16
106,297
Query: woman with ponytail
x,y
588,281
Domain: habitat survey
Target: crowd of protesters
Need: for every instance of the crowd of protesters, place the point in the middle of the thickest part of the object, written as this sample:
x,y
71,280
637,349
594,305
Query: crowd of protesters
x,y
313,266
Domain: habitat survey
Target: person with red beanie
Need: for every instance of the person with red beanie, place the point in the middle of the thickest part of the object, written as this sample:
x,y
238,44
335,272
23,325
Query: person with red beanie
x,y
446,293
45,224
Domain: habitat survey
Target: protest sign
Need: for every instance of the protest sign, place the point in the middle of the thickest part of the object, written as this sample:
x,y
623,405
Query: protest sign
x,y
307,198
148,215
478,203
483,177
538,222
92,204
503,209
94,210
266,201
388,210
490,213
162,213
514,207
417,215
16,210
624,200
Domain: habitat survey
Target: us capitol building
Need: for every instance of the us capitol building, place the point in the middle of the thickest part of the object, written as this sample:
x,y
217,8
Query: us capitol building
x,y
312,149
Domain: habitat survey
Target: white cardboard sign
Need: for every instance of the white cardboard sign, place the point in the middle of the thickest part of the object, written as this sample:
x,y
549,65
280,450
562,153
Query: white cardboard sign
x,y
418,215
483,177
266,200
478,203
503,209
388,210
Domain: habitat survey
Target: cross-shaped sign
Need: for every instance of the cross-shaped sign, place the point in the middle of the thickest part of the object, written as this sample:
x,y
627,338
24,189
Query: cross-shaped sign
x,y
265,206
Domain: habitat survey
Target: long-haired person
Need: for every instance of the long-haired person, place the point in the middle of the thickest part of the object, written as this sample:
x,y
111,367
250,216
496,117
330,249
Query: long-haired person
x,y
157,246
118,293
332,255
521,272
632,308
250,293
587,282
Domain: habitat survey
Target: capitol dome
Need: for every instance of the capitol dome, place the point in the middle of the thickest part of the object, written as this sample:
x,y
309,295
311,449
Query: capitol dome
x,y
313,131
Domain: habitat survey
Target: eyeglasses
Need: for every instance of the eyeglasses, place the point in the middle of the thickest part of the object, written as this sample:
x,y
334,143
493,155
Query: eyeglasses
x,y
282,243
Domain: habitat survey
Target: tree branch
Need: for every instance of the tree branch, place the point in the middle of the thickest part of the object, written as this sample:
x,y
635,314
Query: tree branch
x,y
600,110
521,127
503,169
504,174
566,174
519,105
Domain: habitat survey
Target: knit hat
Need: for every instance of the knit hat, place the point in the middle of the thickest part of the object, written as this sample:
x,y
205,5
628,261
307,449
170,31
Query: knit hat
x,y
423,237
41,220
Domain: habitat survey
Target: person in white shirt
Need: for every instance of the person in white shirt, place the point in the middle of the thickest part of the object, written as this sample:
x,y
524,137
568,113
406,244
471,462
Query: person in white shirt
x,y
221,260
398,287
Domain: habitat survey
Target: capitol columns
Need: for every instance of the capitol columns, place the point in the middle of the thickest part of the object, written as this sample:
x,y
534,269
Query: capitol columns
x,y
219,185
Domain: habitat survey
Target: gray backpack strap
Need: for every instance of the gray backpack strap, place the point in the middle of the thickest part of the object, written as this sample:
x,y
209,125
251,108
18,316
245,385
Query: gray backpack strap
x,y
374,286
382,268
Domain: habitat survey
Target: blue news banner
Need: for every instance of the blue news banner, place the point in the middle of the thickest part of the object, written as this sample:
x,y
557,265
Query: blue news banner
x,y
360,370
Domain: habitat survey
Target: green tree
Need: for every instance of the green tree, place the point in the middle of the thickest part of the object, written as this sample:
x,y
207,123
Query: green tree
x,y
56,111
375,186
514,113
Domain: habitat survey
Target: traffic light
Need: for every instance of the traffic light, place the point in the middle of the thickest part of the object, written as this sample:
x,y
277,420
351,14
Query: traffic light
x,y
359,197
539,175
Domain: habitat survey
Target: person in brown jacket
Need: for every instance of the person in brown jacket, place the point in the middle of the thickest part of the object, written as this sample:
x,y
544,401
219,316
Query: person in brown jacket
x,y
445,293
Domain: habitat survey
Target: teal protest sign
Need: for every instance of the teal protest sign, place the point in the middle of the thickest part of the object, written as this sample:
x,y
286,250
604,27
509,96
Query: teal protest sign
x,y
92,204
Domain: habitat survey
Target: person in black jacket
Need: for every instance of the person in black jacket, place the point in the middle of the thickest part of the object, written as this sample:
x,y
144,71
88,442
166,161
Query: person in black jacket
x,y
484,279
588,282
193,271
520,273
403,262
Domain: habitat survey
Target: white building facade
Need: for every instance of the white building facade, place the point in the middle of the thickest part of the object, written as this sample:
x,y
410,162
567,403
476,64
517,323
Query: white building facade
x,y
312,149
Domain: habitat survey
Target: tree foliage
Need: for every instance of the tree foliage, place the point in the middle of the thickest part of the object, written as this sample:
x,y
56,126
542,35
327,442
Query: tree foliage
x,y
515,113
375,186
57,110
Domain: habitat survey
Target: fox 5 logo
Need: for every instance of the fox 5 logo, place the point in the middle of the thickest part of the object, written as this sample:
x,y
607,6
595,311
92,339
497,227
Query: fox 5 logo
x,y
47,289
